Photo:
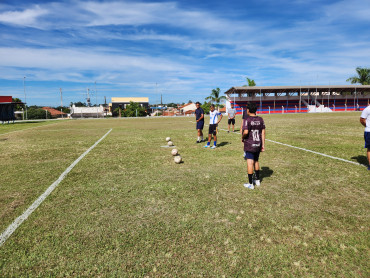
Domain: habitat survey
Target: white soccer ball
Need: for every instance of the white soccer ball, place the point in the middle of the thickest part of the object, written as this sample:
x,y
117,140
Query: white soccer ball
x,y
170,143
174,152
168,139
177,159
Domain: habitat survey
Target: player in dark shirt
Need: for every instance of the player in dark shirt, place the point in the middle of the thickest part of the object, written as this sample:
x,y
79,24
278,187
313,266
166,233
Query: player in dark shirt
x,y
254,143
199,116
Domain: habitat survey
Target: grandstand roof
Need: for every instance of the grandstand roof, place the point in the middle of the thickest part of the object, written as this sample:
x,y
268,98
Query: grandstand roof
x,y
295,89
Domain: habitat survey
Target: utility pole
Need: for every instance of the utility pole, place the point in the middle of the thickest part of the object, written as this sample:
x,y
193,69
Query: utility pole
x,y
25,99
61,102
96,101
105,105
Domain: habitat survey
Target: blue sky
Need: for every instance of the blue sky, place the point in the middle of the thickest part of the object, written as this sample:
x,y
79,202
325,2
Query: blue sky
x,y
187,47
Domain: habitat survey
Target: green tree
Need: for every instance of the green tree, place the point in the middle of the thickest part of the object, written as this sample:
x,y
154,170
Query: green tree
x,y
206,107
37,113
363,76
64,109
130,110
251,82
216,97
171,105
18,106
80,104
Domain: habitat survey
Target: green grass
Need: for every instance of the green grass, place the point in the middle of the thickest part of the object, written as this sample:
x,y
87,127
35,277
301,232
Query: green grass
x,y
128,210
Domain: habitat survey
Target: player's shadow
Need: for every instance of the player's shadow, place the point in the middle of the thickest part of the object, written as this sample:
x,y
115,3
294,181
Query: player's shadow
x,y
361,159
222,144
265,172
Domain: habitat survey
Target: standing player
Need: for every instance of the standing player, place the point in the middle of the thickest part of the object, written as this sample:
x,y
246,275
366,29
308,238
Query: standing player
x,y
244,117
199,116
254,143
231,112
213,122
365,121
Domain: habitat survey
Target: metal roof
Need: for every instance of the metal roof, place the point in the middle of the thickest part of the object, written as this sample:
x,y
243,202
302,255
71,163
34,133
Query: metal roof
x,y
295,89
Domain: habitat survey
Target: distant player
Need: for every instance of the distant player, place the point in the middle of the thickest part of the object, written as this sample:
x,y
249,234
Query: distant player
x,y
231,112
199,116
254,143
244,117
365,121
214,118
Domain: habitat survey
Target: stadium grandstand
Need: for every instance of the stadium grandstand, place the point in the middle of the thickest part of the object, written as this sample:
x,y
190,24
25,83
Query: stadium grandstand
x,y
300,99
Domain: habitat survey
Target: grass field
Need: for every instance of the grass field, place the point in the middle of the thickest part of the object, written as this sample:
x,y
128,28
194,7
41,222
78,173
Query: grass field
x,y
128,210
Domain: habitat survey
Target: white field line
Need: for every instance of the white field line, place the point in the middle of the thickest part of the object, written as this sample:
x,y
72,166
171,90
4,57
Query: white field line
x,y
19,220
69,129
19,130
306,150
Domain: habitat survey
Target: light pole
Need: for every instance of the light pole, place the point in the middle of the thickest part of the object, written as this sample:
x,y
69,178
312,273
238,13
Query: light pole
x,y
24,90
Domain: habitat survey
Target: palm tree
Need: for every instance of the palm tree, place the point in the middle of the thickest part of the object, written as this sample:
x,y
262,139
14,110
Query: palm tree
x,y
215,96
363,76
251,82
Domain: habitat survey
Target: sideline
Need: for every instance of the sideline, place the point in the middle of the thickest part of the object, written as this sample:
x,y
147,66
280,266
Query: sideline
x,y
19,220
306,150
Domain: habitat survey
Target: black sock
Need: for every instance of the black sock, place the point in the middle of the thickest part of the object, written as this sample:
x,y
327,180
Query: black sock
x,y
257,174
250,178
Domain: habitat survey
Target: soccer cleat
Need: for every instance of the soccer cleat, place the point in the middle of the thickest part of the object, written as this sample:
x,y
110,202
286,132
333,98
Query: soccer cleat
x,y
206,146
257,182
198,141
228,131
213,147
248,185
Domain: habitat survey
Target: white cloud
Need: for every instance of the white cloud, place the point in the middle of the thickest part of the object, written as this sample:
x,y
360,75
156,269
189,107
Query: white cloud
x,y
82,59
27,17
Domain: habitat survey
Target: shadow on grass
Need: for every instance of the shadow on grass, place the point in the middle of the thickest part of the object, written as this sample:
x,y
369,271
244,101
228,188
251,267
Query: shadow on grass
x,y
361,159
223,144
236,130
30,122
265,172
22,123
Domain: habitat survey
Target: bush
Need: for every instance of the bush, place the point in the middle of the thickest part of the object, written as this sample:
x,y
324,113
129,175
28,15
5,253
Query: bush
x,y
131,109
37,113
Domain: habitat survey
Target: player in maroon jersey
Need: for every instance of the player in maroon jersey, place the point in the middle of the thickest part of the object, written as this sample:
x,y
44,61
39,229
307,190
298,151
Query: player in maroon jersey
x,y
254,143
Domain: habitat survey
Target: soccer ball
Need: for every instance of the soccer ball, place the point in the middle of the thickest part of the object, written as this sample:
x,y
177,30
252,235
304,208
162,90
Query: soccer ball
x,y
168,139
177,159
170,143
174,152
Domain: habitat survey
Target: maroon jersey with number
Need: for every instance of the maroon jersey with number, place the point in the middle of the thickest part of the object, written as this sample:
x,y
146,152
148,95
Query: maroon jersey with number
x,y
253,142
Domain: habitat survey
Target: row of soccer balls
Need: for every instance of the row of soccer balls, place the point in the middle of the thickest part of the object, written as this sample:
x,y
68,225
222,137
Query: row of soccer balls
x,y
177,158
